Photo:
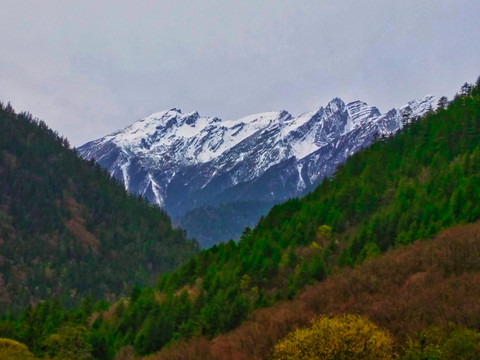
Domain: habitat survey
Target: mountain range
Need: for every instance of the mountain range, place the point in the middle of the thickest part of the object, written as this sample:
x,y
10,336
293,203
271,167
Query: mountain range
x,y
350,246
199,168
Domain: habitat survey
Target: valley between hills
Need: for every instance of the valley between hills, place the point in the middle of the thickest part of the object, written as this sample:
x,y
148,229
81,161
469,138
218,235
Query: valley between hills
x,y
386,247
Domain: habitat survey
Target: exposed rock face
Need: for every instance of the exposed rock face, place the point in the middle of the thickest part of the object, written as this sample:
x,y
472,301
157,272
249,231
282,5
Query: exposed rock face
x,y
185,161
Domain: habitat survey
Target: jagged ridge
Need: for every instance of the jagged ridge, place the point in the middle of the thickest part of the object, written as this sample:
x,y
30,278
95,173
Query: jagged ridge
x,y
185,161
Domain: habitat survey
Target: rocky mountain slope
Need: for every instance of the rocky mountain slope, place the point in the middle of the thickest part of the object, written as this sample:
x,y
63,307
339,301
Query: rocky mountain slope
x,y
185,161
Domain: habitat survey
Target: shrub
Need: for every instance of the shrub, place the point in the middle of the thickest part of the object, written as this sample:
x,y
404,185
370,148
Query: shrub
x,y
444,343
69,343
341,337
13,350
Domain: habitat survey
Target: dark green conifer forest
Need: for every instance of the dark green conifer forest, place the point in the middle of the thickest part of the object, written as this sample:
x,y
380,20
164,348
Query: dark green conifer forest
x,y
67,230
401,189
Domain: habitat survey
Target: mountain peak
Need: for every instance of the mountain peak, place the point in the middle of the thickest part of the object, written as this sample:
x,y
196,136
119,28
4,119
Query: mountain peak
x,y
191,118
284,115
158,117
336,101
419,107
361,113
197,160
336,104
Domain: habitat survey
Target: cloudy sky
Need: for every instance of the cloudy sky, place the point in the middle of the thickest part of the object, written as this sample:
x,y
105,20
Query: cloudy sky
x,y
91,67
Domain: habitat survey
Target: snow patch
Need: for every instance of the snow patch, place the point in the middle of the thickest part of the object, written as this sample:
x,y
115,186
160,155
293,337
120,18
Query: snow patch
x,y
156,191
125,174
301,183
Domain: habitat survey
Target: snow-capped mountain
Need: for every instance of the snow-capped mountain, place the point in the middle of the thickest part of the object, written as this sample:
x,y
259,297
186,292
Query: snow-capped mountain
x,y
184,161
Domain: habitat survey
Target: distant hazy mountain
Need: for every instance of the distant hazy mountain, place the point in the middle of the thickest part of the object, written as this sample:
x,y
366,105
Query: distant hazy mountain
x,y
186,162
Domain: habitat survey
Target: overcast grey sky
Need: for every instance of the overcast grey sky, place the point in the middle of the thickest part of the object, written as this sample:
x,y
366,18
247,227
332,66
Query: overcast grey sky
x,y
91,67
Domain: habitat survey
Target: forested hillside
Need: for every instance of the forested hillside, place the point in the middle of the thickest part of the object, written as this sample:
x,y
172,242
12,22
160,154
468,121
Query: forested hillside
x,y
401,189
66,228
425,296
398,190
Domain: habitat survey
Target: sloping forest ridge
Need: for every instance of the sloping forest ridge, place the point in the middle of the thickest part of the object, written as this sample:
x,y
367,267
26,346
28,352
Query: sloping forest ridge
x,y
68,230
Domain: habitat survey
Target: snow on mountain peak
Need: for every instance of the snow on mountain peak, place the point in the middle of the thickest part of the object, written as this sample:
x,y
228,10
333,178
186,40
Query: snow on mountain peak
x,y
201,139
335,105
176,149
360,112
419,107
